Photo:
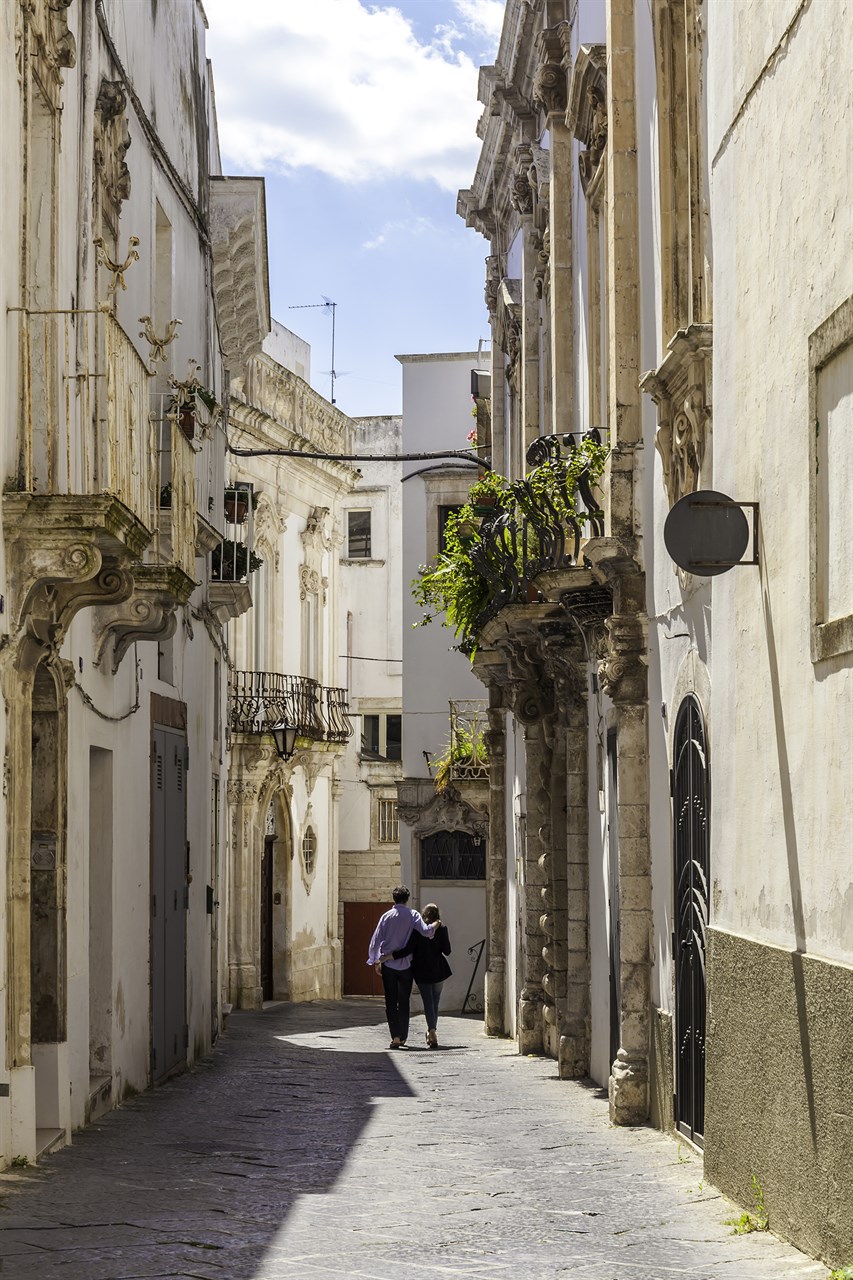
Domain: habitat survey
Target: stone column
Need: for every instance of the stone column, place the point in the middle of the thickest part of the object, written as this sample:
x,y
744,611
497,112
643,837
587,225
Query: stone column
x,y
623,305
575,1037
623,677
562,279
529,356
552,862
532,997
244,892
496,872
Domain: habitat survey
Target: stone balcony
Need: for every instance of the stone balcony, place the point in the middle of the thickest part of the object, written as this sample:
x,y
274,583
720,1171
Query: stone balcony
x,y
79,510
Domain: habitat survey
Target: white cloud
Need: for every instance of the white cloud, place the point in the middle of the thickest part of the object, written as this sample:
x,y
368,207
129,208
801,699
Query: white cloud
x,y
345,89
410,227
486,17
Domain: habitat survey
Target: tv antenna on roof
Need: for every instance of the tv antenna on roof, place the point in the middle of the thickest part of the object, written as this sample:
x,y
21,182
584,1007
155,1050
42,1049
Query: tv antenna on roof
x,y
329,306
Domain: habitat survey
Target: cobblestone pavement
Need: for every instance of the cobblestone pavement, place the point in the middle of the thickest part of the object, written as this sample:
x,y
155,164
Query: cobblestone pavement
x,y
303,1148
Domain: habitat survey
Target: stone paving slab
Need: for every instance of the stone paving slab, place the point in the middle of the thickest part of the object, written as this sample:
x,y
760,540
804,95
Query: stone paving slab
x,y
303,1149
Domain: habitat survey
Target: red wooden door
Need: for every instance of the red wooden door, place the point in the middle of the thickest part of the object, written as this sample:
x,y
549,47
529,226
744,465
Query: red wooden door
x,y
360,919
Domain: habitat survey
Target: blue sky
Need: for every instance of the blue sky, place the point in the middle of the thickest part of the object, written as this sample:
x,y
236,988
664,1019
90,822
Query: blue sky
x,y
362,119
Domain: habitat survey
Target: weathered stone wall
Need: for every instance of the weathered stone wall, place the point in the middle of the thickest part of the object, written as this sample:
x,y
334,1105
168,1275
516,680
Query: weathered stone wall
x,y
779,1101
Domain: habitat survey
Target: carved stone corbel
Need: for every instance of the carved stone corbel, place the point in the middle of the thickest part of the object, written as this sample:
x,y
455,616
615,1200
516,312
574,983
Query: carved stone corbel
x,y
624,668
550,83
149,612
587,110
112,142
65,554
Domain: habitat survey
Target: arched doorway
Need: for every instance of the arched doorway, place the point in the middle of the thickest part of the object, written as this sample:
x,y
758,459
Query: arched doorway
x,y
691,815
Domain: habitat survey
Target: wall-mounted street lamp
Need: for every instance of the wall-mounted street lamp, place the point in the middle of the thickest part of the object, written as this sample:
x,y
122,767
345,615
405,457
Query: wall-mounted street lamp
x,y
284,737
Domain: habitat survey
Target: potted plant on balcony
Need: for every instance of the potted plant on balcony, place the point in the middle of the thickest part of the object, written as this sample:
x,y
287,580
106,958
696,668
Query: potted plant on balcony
x,y
232,561
237,500
466,747
183,404
489,492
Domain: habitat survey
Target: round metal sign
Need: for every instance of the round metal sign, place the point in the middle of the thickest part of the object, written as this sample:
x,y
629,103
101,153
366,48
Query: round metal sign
x,y
706,533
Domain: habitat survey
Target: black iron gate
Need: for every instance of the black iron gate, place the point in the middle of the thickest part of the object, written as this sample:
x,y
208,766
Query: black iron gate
x,y
691,804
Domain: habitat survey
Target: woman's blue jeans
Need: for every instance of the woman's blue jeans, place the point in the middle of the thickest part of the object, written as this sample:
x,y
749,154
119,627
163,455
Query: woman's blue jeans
x,y
431,994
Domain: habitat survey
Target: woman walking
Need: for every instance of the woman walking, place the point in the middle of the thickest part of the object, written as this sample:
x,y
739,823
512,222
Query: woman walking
x,y
429,967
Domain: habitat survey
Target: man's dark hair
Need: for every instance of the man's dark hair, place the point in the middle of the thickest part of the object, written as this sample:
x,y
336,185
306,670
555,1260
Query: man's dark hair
x,y
401,893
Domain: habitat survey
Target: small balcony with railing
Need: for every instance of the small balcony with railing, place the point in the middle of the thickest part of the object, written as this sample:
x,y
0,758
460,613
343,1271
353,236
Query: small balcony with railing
x,y
260,700
465,760
233,559
80,507
85,430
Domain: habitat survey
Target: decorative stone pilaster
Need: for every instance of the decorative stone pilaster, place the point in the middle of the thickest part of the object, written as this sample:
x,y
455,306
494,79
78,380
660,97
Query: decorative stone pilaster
x,y
250,765
623,676
496,883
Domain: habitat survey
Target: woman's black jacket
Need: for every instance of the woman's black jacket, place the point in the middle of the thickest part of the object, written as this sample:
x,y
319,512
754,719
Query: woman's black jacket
x,y
428,962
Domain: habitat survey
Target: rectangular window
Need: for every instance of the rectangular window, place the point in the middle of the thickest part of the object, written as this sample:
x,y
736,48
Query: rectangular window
x,y
382,736
453,855
389,823
443,513
358,535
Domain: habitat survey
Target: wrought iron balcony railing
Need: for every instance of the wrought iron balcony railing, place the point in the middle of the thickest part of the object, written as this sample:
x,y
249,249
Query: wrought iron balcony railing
x,y
85,424
174,540
469,761
260,699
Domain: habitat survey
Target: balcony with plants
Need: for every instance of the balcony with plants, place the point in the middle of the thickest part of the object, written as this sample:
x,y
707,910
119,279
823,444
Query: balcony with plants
x,y
463,765
233,560
514,545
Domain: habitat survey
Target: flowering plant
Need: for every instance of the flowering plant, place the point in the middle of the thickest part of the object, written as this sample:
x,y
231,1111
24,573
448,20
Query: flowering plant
x,y
472,437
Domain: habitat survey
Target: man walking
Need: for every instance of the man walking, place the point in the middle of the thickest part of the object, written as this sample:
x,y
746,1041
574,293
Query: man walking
x,y
391,934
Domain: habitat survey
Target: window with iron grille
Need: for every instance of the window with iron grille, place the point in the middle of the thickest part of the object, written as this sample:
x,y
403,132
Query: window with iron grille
x,y
453,855
358,535
309,850
389,822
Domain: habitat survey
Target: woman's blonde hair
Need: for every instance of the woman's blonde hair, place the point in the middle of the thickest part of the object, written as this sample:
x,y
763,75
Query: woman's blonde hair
x,y
431,913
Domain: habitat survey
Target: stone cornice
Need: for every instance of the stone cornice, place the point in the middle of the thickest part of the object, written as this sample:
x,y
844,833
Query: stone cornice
x,y
281,410
238,232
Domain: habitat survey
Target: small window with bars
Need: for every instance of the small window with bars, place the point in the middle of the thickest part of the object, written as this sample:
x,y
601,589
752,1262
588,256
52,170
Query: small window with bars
x,y
389,822
453,855
358,535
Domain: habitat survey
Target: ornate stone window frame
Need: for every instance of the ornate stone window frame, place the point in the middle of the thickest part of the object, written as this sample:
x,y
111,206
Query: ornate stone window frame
x,y
830,637
682,390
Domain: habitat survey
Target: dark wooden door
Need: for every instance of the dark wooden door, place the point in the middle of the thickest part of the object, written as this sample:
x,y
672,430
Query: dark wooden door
x,y
266,920
360,920
691,858
169,901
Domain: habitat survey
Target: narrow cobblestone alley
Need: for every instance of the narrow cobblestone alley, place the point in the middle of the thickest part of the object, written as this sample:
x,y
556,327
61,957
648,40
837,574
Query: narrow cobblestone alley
x,y
304,1148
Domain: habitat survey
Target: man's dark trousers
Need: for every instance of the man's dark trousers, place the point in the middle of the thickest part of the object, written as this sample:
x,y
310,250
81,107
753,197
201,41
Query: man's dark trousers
x,y
398,990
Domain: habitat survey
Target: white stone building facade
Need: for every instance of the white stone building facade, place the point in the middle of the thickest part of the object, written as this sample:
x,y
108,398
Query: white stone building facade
x,y
674,896
124,309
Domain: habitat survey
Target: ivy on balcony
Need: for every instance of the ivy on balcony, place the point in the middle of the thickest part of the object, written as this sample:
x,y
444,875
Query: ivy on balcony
x,y
510,532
